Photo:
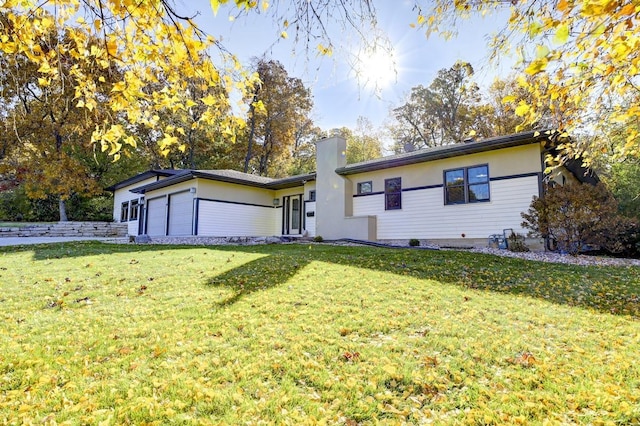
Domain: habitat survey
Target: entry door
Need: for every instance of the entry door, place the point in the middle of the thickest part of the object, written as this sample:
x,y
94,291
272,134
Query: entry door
x,y
292,217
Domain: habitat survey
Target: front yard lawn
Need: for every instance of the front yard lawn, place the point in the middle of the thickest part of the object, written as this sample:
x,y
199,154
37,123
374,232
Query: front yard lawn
x,y
94,333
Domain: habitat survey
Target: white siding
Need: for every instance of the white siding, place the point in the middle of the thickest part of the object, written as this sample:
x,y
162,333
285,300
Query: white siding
x,y
218,219
181,213
123,194
424,215
310,222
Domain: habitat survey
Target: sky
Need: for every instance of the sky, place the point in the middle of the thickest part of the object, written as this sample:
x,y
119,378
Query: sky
x,y
339,96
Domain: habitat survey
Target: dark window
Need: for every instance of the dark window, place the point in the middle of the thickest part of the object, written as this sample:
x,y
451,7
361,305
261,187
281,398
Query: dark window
x,y
312,195
466,185
124,212
365,187
393,194
133,211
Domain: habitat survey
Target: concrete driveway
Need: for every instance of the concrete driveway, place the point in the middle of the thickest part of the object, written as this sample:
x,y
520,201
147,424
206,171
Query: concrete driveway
x,y
19,241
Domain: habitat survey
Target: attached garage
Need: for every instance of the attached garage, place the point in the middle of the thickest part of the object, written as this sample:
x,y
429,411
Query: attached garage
x,y
181,213
157,216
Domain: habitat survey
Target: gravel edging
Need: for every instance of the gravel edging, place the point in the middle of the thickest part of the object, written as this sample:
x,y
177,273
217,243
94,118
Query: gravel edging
x,y
551,257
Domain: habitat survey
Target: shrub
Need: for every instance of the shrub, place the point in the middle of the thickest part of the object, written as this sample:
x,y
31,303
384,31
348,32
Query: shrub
x,y
578,217
414,242
515,243
318,239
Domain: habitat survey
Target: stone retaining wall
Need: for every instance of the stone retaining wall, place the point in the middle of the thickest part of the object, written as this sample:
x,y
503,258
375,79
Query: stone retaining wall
x,y
67,229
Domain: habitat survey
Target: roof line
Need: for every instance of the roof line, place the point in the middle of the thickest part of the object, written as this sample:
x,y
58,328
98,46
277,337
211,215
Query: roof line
x,y
446,151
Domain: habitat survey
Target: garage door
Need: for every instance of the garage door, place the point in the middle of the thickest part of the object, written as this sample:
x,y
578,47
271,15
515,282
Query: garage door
x,y
180,213
156,216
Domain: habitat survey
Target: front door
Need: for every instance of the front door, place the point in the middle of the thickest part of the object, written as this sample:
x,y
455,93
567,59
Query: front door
x,y
292,215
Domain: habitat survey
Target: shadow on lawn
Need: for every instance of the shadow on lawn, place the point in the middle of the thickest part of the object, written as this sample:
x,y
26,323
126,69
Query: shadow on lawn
x,y
259,274
607,289
75,249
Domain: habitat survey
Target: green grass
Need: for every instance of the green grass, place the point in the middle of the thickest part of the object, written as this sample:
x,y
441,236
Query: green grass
x,y
21,224
95,333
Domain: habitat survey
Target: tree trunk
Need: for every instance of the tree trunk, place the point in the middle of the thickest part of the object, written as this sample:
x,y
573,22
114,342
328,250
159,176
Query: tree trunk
x,y
62,206
252,112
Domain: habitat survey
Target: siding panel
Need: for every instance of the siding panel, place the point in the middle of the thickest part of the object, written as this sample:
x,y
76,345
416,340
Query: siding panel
x,y
310,222
424,214
216,219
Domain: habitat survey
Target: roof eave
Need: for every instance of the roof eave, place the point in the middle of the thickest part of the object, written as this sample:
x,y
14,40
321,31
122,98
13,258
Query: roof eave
x,y
452,151
137,178
291,182
163,183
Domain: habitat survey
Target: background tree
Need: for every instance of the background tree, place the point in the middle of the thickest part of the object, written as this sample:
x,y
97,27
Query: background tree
x,y
271,129
440,114
363,143
585,62
51,136
303,157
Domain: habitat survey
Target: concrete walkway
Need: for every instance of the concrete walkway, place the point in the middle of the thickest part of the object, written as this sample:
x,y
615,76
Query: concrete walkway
x,y
18,241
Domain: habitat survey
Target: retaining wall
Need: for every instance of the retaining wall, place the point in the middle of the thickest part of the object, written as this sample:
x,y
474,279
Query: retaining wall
x,y
68,229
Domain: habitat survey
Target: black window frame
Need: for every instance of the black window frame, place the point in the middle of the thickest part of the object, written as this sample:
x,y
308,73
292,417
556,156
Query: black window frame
x,y
393,198
359,187
466,186
312,195
124,211
134,209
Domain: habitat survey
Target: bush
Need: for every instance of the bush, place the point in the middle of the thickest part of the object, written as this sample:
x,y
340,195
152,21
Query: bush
x,y
578,217
515,243
414,242
318,239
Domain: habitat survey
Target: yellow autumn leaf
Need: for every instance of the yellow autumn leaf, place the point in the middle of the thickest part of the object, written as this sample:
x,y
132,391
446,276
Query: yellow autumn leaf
x,y
209,100
112,47
215,5
522,109
45,68
537,66
541,51
562,34
389,369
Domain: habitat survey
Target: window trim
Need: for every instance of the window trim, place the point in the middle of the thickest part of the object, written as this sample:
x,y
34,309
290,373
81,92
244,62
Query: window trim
x,y
387,194
124,211
465,185
359,185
